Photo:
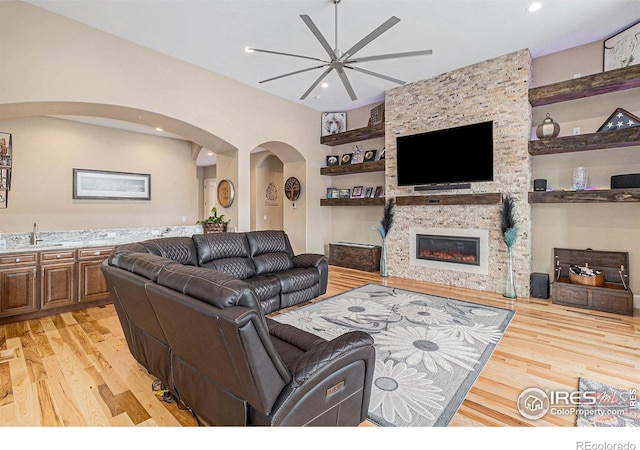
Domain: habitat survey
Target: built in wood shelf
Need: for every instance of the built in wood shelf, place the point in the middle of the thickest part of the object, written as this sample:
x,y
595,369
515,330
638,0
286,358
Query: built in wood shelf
x,y
587,86
347,169
359,134
625,137
491,198
586,196
375,201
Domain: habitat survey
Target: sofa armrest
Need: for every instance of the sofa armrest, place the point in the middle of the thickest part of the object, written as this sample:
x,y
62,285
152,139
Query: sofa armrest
x,y
306,260
326,353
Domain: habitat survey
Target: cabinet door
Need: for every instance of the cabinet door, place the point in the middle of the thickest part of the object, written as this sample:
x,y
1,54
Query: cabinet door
x,y
18,290
58,284
92,283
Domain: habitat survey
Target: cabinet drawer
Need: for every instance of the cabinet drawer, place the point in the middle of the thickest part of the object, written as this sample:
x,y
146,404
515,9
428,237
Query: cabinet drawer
x,y
57,256
88,253
18,258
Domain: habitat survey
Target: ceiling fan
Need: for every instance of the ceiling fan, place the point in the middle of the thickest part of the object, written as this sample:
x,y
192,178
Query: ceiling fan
x,y
340,61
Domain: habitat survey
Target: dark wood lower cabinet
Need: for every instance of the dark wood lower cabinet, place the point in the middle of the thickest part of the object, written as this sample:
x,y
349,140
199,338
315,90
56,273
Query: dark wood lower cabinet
x,y
38,284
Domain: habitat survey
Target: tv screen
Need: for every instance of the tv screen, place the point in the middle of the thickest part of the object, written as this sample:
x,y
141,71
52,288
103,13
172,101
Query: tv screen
x,y
450,156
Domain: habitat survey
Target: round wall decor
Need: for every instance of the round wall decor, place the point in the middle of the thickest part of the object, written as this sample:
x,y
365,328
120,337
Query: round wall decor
x,y
226,194
292,188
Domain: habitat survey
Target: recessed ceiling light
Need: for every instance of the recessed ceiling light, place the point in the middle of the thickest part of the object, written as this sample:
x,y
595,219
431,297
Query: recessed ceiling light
x,y
325,85
159,129
210,153
248,50
535,6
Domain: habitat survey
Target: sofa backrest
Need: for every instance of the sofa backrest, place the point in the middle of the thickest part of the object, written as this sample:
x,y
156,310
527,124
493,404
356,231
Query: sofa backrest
x,y
270,251
180,249
225,252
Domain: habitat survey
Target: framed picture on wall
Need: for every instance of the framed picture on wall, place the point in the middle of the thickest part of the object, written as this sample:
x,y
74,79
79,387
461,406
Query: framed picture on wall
x,y
108,185
623,49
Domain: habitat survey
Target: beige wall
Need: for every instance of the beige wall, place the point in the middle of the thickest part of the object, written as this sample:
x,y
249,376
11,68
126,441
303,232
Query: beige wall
x,y
46,150
51,63
267,215
610,226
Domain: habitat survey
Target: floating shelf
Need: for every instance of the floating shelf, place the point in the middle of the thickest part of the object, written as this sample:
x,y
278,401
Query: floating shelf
x,y
375,201
371,166
587,86
491,198
359,134
593,141
587,196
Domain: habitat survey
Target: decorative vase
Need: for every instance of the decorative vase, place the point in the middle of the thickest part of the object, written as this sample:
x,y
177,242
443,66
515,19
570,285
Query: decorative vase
x,y
510,287
580,178
214,227
548,128
383,259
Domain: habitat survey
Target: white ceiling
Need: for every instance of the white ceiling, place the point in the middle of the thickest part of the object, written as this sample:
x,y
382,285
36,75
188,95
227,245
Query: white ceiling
x,y
214,33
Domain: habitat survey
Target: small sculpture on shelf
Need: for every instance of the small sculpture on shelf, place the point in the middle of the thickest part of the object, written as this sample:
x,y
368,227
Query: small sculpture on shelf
x,y
548,128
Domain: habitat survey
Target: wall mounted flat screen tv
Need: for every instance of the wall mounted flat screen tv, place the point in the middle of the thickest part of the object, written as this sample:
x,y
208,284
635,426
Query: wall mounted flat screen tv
x,y
450,156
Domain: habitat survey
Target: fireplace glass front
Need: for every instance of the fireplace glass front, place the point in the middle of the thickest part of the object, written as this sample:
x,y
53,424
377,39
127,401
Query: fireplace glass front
x,y
451,249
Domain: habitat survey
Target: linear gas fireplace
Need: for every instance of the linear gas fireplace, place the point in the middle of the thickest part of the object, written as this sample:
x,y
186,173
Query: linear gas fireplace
x,y
464,250
452,249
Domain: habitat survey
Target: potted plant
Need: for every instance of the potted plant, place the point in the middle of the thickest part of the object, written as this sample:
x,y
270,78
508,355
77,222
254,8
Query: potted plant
x,y
214,223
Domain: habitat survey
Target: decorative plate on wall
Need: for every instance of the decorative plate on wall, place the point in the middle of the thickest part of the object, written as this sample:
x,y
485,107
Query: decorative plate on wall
x,y
292,188
226,193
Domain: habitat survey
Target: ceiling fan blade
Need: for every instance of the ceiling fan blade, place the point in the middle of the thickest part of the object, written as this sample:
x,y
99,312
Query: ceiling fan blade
x,y
317,82
288,54
370,37
375,74
389,56
346,83
292,73
316,32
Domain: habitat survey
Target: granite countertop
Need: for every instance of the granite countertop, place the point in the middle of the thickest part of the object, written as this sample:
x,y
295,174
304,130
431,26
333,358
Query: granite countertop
x,y
58,240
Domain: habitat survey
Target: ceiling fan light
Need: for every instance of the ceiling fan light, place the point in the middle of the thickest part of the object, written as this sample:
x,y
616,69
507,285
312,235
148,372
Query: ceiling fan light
x,y
248,50
534,7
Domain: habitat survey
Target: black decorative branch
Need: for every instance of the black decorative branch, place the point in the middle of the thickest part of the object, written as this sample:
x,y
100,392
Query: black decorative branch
x,y
507,219
387,216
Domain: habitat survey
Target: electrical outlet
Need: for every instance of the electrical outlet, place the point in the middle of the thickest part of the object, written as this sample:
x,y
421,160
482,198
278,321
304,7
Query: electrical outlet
x,y
576,131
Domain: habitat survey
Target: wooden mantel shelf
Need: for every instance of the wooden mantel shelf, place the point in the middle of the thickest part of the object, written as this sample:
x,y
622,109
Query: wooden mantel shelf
x,y
370,201
491,198
587,86
586,196
359,134
625,137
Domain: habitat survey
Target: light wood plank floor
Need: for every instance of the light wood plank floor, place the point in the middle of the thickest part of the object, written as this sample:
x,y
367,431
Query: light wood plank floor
x,y
74,369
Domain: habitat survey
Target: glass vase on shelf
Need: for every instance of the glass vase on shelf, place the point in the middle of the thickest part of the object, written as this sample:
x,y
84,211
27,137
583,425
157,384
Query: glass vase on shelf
x,y
383,259
510,287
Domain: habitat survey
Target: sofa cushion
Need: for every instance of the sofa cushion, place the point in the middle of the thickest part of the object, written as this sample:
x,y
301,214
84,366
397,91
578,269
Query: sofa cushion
x,y
225,252
180,249
297,279
270,250
143,264
215,288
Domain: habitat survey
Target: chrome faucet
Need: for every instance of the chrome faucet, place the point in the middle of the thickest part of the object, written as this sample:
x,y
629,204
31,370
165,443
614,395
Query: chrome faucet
x,y
35,235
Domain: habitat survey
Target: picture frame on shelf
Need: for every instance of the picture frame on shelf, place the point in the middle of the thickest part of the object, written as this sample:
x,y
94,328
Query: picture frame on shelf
x,y
379,192
382,154
333,123
109,185
618,120
346,159
368,193
357,192
622,49
358,154
333,160
370,155
344,193
331,191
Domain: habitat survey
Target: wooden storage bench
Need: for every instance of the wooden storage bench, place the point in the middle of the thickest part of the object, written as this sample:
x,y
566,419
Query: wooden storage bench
x,y
355,256
614,296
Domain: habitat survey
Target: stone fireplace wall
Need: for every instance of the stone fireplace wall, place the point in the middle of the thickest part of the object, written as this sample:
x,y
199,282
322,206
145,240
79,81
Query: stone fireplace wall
x,y
491,90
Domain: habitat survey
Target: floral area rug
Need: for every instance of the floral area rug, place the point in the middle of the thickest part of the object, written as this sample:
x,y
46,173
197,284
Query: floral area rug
x,y
612,407
429,349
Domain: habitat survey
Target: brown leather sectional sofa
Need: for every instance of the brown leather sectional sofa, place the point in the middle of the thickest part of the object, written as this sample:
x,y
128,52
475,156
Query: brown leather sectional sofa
x,y
193,314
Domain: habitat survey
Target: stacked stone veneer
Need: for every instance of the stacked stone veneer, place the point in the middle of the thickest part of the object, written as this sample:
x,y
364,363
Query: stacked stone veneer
x,y
494,90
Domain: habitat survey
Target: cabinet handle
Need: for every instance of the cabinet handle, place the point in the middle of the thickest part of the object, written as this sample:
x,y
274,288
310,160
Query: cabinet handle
x,y
17,259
